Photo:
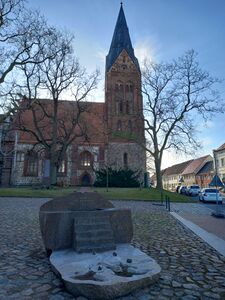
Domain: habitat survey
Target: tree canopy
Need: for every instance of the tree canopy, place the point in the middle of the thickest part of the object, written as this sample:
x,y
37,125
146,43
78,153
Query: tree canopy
x,y
177,96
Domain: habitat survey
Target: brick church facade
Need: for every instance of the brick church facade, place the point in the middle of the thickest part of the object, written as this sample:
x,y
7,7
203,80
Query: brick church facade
x,y
115,128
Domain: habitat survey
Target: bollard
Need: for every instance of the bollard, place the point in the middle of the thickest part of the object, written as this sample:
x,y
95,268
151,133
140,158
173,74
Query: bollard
x,y
161,197
168,204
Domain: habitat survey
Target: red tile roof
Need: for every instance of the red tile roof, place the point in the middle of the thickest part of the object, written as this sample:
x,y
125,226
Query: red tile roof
x,y
176,169
207,168
196,165
92,117
222,147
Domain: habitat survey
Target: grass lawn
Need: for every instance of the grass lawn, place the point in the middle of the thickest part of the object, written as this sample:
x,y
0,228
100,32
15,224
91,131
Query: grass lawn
x,y
31,192
147,194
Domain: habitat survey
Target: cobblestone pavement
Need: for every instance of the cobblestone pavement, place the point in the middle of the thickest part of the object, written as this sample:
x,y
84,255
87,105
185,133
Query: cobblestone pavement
x,y
190,268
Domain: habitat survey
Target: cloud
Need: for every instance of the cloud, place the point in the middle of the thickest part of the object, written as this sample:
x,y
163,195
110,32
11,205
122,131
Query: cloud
x,y
209,124
171,158
206,125
206,142
143,51
146,48
101,55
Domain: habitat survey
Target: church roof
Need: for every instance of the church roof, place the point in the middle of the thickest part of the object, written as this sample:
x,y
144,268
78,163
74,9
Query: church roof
x,y
120,41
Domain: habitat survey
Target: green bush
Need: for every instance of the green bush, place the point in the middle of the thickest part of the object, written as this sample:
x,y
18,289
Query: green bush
x,y
117,178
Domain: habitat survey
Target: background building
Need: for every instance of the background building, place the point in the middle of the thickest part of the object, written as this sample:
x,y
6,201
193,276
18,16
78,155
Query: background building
x,y
219,155
196,171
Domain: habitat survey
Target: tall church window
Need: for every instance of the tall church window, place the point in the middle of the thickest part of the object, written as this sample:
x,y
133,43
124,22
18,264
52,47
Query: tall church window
x,y
130,95
127,107
125,160
117,107
86,159
62,167
130,126
31,164
119,91
121,107
119,125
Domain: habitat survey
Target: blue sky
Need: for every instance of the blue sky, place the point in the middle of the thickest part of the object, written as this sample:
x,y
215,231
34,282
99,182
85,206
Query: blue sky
x,y
159,29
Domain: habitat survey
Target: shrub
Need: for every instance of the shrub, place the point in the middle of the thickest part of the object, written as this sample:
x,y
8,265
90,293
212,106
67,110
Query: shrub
x,y
117,178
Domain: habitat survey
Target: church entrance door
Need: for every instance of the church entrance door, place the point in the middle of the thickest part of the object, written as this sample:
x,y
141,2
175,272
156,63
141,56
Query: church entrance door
x,y
86,180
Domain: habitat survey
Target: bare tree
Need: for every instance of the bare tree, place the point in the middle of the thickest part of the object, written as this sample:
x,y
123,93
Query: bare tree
x,y
54,124
23,40
176,97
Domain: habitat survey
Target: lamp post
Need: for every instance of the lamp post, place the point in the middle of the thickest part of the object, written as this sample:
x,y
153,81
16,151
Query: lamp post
x,y
107,168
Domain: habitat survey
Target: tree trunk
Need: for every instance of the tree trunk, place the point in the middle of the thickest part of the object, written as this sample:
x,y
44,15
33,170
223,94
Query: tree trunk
x,y
158,173
53,172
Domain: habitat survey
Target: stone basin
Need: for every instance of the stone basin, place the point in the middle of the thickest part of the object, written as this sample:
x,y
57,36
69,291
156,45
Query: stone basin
x,y
105,275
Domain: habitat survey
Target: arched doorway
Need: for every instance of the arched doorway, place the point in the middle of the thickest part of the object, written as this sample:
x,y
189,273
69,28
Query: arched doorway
x,y
86,180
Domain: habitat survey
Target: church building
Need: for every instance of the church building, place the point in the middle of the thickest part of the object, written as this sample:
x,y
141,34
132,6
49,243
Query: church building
x,y
115,128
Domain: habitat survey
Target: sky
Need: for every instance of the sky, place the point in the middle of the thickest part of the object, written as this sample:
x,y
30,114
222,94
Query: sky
x,y
160,30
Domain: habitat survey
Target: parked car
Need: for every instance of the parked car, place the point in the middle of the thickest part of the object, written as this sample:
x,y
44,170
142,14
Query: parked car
x,y
193,190
183,190
177,188
210,195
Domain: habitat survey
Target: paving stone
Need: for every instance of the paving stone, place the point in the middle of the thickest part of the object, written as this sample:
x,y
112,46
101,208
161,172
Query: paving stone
x,y
190,286
43,288
56,297
211,295
141,295
190,268
27,292
189,297
176,284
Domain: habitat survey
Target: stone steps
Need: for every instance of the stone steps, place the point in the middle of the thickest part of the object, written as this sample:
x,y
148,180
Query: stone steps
x,y
90,227
94,242
91,220
93,233
84,249
90,234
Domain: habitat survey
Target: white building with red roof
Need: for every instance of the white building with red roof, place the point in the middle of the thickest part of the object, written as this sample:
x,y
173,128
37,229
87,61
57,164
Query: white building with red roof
x,y
219,155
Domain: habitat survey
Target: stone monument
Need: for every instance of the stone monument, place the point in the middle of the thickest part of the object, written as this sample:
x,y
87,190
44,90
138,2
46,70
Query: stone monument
x,y
88,241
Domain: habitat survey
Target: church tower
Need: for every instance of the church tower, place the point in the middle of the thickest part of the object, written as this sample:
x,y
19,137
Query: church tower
x,y
123,98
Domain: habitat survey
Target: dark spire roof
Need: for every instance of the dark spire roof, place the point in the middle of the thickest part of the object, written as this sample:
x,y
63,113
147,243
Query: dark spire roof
x,y
121,40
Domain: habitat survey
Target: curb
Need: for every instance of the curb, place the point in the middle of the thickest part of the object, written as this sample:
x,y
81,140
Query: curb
x,y
214,241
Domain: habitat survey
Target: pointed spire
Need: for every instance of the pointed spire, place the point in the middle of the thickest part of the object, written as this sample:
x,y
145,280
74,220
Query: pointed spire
x,y
121,40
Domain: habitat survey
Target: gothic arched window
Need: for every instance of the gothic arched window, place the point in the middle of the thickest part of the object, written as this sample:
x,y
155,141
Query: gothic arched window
x,y
130,87
130,126
119,125
86,159
130,95
117,107
127,107
31,164
62,168
119,91
121,107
